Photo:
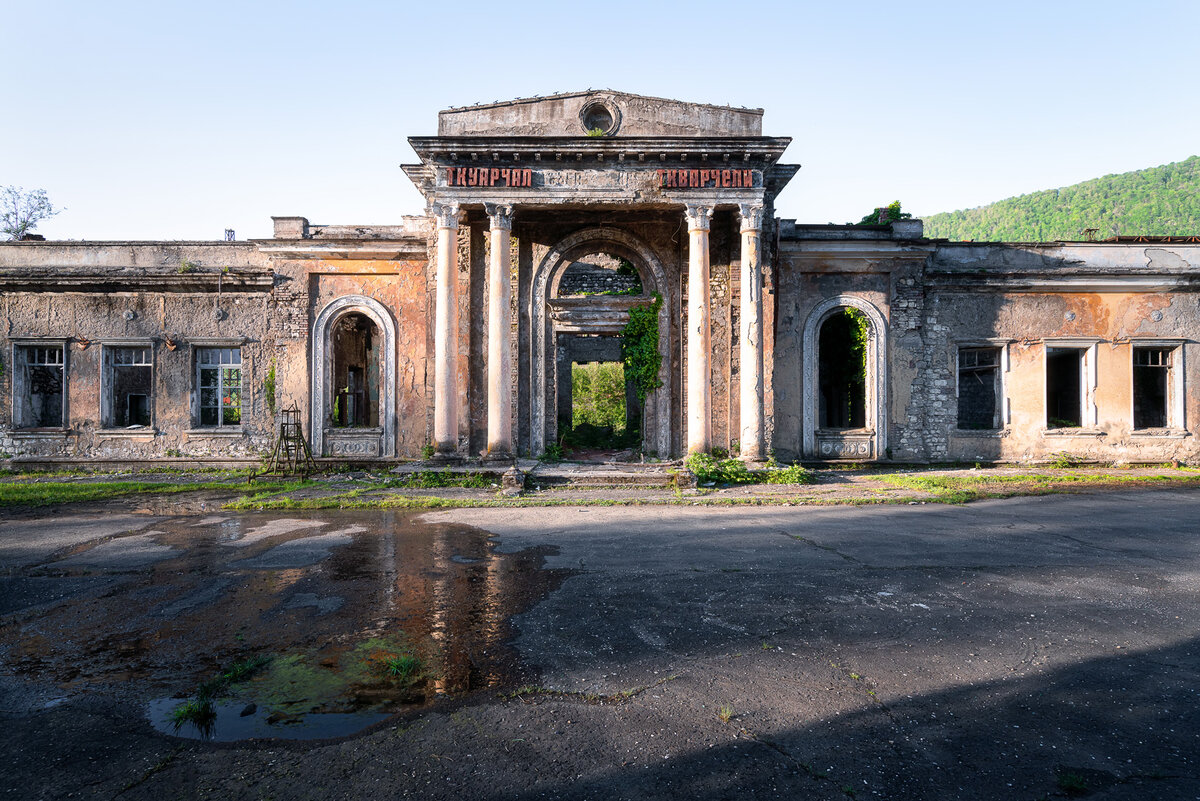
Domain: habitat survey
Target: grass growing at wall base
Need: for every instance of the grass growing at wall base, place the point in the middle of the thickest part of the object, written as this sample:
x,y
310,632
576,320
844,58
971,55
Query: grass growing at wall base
x,y
47,493
962,489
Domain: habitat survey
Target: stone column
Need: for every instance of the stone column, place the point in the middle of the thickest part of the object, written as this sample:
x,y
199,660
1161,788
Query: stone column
x,y
445,332
499,427
751,409
699,373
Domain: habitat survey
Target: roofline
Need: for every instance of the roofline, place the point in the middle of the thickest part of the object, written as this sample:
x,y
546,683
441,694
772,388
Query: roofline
x,y
190,242
537,99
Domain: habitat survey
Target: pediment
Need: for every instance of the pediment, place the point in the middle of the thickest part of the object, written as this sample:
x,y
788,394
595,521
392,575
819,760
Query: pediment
x,y
604,113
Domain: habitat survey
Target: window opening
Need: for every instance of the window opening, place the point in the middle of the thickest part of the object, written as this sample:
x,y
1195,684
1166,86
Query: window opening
x,y
39,391
979,388
130,374
356,371
219,376
1151,387
842,370
1064,387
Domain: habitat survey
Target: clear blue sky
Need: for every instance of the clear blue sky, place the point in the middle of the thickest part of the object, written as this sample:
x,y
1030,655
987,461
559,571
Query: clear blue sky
x,y
171,120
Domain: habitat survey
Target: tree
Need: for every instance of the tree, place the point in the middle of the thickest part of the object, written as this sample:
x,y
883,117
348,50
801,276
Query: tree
x,y
21,210
885,215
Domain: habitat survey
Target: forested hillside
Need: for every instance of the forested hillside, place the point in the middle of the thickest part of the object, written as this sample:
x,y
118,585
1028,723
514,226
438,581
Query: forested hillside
x,y
1159,201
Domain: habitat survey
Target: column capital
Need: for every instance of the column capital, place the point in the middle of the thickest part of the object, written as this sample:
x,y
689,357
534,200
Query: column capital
x,y
698,216
500,215
751,215
446,214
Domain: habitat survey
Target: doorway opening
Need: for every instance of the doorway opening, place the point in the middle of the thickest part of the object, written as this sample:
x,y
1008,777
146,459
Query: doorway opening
x,y
842,370
604,408
1064,387
354,345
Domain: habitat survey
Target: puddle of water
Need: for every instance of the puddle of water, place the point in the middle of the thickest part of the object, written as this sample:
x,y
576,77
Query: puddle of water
x,y
337,624
230,724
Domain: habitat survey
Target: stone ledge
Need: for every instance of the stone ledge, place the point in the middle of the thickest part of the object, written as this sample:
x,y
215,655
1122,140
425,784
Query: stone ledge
x,y
201,433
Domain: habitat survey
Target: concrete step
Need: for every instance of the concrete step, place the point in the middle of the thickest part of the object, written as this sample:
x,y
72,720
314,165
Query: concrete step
x,y
652,477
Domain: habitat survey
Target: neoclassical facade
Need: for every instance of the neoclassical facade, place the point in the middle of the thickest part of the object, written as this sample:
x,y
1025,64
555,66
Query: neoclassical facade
x,y
547,221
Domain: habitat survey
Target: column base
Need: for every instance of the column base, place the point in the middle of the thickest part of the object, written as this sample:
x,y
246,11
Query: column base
x,y
446,458
498,458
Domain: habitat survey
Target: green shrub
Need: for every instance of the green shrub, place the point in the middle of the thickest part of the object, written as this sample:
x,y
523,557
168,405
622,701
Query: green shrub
x,y
792,474
708,468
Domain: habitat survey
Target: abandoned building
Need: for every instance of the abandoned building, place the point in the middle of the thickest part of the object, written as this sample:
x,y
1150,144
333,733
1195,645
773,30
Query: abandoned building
x,y
551,224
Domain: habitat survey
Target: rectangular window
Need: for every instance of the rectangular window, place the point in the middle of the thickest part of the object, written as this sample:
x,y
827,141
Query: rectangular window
x,y
129,386
38,384
1064,387
219,379
979,389
1152,386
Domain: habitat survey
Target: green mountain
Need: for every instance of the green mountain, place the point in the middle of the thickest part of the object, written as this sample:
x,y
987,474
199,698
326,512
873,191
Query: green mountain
x,y
1159,201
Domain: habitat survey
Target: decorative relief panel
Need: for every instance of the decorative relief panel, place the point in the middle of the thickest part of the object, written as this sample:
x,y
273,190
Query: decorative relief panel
x,y
340,442
846,446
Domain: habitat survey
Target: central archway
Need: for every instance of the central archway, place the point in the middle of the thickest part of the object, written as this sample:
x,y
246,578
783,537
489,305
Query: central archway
x,y
552,316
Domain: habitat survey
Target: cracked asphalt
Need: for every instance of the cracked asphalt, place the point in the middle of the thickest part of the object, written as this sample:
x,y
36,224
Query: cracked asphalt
x,y
1019,649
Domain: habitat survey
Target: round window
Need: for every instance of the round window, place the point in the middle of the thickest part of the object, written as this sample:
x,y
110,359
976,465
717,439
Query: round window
x,y
599,118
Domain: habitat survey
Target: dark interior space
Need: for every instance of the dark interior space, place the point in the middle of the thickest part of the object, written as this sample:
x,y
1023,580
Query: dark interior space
x,y
1064,399
1151,370
842,369
355,373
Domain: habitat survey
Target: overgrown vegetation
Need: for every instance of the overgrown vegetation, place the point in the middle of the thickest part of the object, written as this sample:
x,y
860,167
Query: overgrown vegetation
x,y
436,479
710,469
269,387
966,488
47,493
885,215
718,468
598,395
1159,201
639,347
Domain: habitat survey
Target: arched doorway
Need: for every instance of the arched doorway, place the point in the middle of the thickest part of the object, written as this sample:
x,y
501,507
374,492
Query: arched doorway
x,y
598,409
583,290
845,380
354,379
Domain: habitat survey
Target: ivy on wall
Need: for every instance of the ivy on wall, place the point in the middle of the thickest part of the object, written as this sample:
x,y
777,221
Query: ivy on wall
x,y
639,347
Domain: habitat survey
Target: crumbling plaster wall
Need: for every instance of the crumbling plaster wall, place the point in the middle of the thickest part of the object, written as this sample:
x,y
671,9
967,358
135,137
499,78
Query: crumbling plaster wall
x,y
1018,296
400,286
1114,322
165,295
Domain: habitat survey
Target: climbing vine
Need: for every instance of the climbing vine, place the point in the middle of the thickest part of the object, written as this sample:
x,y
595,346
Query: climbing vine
x,y
269,387
860,331
639,347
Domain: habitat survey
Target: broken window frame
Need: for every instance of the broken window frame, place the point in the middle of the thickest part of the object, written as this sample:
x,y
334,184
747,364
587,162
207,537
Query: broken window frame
x,y
225,354
1176,410
1088,416
108,384
20,381
1000,416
